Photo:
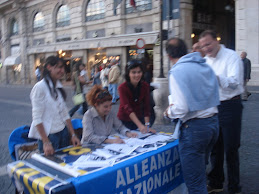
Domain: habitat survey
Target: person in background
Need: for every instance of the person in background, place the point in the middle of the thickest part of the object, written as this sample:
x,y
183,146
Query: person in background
x,y
134,109
99,121
51,123
228,68
38,73
80,79
193,99
96,77
104,76
113,80
196,48
247,74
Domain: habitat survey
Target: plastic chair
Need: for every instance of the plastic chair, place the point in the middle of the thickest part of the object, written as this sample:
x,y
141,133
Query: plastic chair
x,y
78,127
18,136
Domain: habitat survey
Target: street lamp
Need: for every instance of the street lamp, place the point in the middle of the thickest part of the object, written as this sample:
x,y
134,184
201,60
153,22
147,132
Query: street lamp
x,y
161,75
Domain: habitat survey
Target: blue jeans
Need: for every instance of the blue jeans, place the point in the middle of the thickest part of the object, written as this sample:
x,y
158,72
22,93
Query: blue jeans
x,y
197,137
230,117
113,90
58,140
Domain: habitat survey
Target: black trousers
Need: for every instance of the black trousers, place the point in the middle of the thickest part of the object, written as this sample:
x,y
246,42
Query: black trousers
x,y
230,117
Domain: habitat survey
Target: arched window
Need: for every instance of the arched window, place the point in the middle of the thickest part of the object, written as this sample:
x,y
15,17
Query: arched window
x,y
14,27
63,16
95,10
140,5
38,22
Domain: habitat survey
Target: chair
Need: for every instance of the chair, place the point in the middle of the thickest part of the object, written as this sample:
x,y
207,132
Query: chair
x,y
20,146
78,127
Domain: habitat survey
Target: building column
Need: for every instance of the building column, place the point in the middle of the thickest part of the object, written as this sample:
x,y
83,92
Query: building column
x,y
247,31
185,22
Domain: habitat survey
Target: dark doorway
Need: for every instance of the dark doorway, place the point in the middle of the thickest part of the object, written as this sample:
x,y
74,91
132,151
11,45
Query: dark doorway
x,y
218,15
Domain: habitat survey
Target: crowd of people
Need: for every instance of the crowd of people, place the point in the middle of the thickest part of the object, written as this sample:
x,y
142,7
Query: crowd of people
x,y
206,90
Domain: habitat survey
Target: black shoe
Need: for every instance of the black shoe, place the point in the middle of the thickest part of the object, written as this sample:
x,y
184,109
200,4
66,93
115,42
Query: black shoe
x,y
117,99
214,190
248,94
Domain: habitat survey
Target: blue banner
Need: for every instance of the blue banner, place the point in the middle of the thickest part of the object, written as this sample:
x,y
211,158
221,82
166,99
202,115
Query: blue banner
x,y
158,171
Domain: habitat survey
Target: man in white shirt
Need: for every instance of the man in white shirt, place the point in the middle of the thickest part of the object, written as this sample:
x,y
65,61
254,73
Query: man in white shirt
x,y
228,68
193,99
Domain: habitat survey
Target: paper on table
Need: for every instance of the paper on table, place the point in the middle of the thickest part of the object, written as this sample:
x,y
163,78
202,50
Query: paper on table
x,y
122,148
89,160
141,135
157,138
135,141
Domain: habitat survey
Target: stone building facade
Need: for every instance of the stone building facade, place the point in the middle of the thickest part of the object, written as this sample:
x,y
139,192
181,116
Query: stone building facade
x,y
247,34
90,31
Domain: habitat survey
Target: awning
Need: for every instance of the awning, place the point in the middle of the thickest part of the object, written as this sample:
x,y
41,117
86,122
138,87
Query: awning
x,y
12,60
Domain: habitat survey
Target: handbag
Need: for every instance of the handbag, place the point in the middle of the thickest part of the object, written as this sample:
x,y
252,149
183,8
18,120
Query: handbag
x,y
79,97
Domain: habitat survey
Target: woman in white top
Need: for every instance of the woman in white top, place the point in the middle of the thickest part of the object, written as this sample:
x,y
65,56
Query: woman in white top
x,y
49,112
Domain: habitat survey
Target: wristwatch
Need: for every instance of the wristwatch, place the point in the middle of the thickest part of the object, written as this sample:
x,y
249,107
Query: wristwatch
x,y
147,124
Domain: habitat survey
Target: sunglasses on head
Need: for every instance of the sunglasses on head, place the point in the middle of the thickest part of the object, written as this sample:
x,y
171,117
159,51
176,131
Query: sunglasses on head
x,y
134,62
103,94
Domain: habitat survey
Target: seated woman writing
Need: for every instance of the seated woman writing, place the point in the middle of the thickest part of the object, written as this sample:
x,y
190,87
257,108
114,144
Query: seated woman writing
x,y
99,121
134,110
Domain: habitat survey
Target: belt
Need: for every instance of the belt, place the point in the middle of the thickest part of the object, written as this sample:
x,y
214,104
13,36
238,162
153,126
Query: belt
x,y
238,97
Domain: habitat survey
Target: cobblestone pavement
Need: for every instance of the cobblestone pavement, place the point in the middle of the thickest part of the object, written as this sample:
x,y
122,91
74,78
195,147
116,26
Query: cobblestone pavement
x,y
16,111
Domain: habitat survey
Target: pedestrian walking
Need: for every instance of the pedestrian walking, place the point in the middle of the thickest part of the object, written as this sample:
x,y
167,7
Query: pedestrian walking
x,y
80,80
228,68
113,80
247,74
51,122
193,99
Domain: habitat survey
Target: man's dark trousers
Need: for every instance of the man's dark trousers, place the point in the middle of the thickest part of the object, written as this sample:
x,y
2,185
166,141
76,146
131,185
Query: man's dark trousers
x,y
230,117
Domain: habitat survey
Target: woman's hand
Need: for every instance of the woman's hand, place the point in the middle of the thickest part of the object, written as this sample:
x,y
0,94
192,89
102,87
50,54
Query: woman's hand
x,y
117,140
48,149
152,130
143,129
129,134
75,141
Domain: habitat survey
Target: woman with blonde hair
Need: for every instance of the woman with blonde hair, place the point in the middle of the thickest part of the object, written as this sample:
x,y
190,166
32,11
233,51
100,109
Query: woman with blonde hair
x,y
99,121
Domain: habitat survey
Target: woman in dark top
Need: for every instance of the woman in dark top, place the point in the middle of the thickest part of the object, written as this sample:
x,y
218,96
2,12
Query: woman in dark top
x,y
134,110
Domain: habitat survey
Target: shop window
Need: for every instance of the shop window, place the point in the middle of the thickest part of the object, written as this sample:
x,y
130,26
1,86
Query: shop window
x,y
14,27
38,22
95,10
140,5
63,16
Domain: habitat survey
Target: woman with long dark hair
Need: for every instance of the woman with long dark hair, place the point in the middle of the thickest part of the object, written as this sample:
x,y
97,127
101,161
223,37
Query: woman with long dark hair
x,y
51,122
134,110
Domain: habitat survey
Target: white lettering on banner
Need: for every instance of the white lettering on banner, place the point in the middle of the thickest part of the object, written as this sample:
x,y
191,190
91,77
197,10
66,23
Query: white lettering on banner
x,y
176,155
137,176
154,163
144,168
161,160
150,184
157,180
120,179
165,178
138,187
129,180
168,159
